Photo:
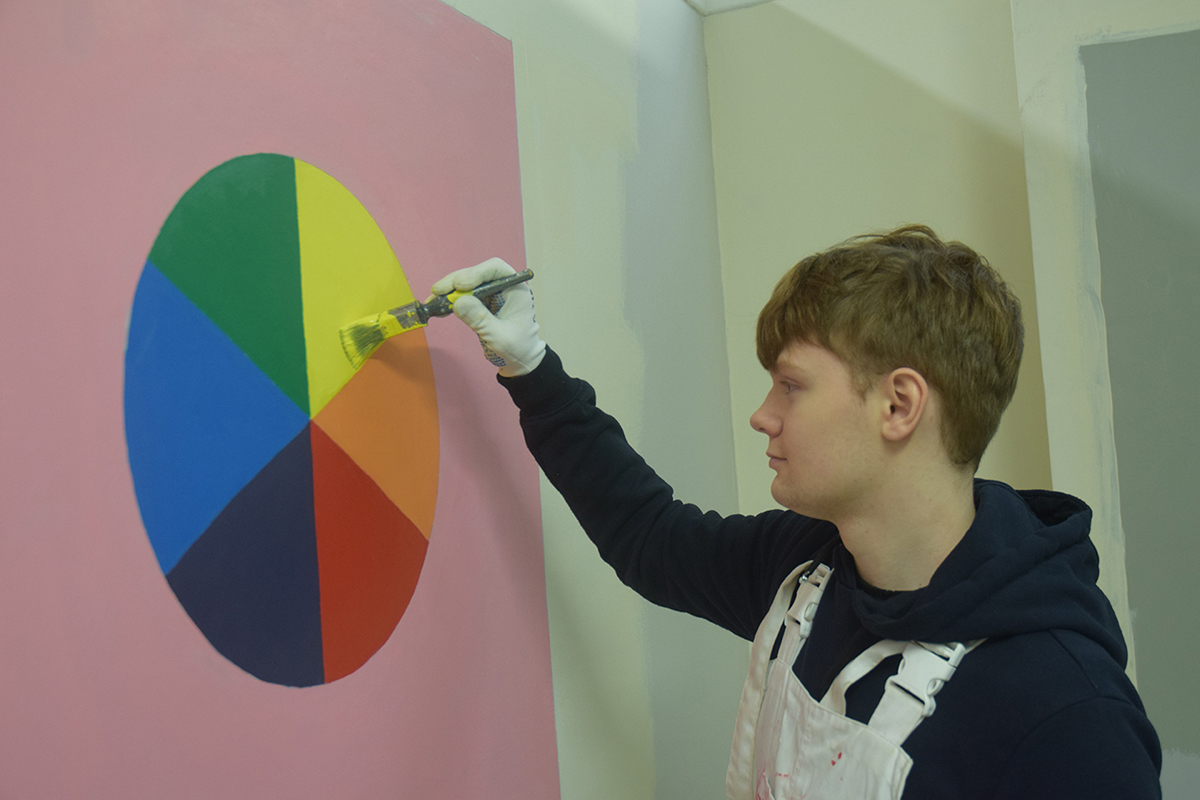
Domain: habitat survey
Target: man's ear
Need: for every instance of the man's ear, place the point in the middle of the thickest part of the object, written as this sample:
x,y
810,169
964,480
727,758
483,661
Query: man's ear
x,y
905,395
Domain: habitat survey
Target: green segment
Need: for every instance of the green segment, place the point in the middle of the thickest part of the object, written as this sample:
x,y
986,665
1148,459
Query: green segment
x,y
233,247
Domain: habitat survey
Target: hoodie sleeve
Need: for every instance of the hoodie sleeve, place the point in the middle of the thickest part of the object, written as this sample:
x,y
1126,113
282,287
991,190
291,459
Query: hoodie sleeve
x,y
724,569
1099,749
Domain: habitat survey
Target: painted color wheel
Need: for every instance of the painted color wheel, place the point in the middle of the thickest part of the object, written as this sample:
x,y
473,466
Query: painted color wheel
x,y
288,499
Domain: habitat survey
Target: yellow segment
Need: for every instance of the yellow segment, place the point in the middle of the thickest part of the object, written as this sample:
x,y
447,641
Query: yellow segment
x,y
347,272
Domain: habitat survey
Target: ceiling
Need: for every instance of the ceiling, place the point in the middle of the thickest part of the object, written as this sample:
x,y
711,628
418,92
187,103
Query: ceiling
x,y
716,6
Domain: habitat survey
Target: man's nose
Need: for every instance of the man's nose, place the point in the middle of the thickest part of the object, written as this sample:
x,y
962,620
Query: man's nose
x,y
763,420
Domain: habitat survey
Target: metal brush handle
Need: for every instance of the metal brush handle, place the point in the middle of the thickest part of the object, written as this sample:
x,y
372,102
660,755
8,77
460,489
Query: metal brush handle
x,y
441,305
500,284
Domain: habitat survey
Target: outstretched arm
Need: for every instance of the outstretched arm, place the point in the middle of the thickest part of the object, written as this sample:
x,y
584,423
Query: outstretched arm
x,y
725,569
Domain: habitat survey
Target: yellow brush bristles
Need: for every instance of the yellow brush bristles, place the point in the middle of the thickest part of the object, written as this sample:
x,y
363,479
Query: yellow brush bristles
x,y
360,339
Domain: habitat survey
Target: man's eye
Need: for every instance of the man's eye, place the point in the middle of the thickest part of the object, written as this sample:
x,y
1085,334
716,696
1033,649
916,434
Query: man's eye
x,y
788,388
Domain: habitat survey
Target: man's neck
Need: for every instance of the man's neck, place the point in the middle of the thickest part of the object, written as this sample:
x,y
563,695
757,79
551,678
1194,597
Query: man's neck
x,y
901,537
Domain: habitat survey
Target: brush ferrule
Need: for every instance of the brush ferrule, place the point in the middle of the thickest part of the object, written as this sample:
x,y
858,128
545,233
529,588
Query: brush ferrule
x,y
390,325
439,306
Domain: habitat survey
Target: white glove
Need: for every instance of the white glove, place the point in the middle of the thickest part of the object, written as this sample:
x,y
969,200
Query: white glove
x,y
504,322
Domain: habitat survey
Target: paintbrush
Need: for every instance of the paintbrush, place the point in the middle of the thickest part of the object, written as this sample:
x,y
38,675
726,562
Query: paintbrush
x,y
361,338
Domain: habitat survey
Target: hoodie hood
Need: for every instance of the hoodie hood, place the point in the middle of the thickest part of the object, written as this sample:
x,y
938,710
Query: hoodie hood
x,y
1025,565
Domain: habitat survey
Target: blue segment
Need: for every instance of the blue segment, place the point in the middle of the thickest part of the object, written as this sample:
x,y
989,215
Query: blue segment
x,y
201,419
251,582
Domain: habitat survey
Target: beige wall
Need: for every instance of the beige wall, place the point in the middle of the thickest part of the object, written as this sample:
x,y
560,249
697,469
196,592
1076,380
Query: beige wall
x,y
831,120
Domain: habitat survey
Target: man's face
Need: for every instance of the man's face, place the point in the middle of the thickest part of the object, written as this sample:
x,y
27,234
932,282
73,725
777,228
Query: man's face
x,y
824,441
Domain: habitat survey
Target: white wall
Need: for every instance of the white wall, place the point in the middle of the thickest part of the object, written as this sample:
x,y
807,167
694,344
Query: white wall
x,y
620,223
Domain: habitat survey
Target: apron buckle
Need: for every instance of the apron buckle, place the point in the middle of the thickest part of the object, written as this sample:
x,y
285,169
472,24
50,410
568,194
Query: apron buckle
x,y
925,669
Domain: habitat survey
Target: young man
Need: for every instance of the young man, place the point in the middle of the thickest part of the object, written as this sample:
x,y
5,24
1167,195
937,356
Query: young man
x,y
917,633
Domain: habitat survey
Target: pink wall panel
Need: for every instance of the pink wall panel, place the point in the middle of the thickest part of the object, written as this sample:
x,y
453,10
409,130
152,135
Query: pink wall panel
x,y
108,113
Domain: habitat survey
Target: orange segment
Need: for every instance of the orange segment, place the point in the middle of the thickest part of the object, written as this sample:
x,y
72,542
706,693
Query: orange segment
x,y
386,420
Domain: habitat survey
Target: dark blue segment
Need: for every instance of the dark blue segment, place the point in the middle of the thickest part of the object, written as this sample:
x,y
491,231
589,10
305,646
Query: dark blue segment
x,y
251,584
200,418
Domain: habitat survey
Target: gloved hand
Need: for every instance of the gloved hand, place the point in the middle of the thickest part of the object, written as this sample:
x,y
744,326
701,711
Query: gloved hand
x,y
504,322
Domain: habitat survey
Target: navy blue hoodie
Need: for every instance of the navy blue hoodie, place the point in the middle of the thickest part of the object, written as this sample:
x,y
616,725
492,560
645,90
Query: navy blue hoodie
x,y
1043,709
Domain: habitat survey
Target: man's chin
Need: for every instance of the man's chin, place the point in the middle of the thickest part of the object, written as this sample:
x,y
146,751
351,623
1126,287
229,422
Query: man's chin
x,y
781,495
788,498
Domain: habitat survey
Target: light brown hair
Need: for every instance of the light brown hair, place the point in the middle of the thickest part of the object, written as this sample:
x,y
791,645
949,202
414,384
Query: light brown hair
x,y
907,299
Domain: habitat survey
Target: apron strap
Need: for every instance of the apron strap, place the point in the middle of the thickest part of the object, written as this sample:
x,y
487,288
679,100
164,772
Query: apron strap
x,y
804,609
739,780
867,660
908,696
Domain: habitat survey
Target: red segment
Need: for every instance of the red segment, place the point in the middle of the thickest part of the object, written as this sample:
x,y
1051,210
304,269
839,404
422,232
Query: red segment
x,y
369,557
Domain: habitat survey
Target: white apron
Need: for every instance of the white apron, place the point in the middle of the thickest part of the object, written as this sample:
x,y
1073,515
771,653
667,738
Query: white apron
x,y
788,746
